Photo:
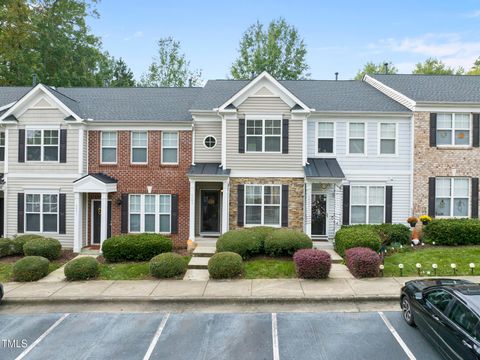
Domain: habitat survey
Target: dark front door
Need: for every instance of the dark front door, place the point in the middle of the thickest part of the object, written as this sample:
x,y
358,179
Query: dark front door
x,y
210,211
319,214
97,211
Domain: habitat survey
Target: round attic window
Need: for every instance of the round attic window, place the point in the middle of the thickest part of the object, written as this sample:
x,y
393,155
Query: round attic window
x,y
210,142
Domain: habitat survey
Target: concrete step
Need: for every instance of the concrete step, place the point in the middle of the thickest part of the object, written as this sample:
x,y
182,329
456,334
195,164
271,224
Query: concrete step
x,y
322,245
198,263
196,275
207,243
340,271
204,251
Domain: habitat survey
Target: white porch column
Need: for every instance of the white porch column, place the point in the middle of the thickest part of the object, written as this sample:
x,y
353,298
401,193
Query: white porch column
x,y
225,206
103,217
192,210
77,222
308,208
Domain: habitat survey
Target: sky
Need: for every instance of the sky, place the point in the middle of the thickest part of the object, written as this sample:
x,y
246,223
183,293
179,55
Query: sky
x,y
340,35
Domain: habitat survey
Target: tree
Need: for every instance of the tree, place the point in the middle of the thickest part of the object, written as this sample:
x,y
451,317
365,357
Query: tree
x,y
434,66
171,67
278,50
380,68
122,75
475,70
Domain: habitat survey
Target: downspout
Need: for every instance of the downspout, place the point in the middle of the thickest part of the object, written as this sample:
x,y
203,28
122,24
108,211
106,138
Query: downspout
x,y
412,159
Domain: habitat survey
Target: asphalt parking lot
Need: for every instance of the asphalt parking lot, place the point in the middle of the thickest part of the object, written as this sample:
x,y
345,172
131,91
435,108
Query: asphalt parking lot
x,y
367,335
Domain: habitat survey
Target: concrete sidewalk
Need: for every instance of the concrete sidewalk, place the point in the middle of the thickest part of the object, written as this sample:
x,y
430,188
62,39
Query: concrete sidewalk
x,y
259,290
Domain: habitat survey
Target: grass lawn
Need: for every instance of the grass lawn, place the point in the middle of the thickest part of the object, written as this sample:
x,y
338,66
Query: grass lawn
x,y
462,256
269,268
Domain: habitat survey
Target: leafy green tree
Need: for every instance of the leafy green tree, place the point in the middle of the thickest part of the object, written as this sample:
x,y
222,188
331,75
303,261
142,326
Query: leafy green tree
x,y
279,49
171,67
372,68
122,75
475,70
433,66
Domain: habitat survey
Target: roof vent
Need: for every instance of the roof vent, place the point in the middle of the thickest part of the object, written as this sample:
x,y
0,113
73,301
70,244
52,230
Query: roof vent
x,y
34,79
336,76
386,68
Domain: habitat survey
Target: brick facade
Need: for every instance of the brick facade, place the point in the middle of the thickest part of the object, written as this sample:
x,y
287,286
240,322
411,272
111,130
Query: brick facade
x,y
134,179
295,198
433,162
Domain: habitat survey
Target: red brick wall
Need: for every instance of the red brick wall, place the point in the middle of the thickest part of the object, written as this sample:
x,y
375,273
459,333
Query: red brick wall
x,y
134,179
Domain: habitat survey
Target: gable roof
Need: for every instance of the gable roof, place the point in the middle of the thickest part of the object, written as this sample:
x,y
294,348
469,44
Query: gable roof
x,y
434,88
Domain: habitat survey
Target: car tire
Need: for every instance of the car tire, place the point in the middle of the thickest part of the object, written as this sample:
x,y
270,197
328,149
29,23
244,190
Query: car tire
x,y
407,311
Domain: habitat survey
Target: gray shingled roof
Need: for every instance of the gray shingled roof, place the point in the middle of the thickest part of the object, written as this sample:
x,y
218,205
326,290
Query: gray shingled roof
x,y
106,179
323,168
208,169
435,88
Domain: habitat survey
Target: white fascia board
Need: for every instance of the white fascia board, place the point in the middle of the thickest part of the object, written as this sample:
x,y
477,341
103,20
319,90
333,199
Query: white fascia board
x,y
447,107
7,106
369,114
391,93
118,125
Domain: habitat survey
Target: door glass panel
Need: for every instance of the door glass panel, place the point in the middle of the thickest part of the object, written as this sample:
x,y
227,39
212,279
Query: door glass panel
x,y
440,299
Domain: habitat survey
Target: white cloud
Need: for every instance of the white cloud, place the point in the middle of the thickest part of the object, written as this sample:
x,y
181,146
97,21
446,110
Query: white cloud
x,y
135,35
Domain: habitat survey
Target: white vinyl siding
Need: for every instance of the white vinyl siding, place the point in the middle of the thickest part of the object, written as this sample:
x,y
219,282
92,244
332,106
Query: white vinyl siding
x,y
263,205
169,147
453,129
203,128
139,147
452,197
149,213
108,143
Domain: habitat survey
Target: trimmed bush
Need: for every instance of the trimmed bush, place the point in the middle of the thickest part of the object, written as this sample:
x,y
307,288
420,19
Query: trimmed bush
x,y
225,265
393,233
285,242
312,263
363,262
356,236
452,232
19,241
5,247
135,247
30,268
47,247
82,268
244,242
167,265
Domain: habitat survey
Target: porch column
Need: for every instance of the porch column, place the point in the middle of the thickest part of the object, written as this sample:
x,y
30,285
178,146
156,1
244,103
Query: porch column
x,y
103,217
77,222
308,208
192,210
225,205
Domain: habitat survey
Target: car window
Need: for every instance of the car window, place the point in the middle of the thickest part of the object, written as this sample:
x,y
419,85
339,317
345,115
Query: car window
x,y
464,318
439,298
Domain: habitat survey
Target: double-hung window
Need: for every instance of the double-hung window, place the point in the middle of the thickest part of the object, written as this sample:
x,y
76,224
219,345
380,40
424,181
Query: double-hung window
x,y
41,212
367,204
262,205
263,135
453,129
109,147
451,197
139,147
2,146
42,145
356,138
169,147
325,137
150,213
388,138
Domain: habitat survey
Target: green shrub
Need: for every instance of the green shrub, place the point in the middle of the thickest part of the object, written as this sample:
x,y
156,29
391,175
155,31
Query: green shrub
x,y
389,233
244,242
225,265
46,247
167,265
82,268
135,247
19,241
357,236
452,232
5,247
284,242
30,268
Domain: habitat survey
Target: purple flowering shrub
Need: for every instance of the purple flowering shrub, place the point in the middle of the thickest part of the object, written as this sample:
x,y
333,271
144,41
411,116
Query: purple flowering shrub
x,y
363,262
312,263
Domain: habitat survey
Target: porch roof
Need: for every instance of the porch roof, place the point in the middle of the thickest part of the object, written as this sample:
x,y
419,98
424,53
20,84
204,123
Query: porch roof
x,y
95,182
208,169
323,168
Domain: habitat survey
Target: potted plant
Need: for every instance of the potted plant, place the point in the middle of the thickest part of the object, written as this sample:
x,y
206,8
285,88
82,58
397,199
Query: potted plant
x,y
425,219
412,220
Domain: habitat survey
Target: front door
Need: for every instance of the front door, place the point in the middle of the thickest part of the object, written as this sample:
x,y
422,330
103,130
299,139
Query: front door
x,y
319,214
210,211
97,211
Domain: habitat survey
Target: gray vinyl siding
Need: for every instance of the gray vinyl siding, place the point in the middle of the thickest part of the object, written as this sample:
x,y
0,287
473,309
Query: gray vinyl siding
x,y
203,129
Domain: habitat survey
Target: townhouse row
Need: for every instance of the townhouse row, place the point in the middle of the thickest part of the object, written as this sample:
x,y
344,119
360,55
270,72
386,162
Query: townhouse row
x,y
82,164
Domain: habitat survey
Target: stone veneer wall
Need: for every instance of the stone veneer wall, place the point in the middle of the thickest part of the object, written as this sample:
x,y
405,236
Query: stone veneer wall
x,y
295,198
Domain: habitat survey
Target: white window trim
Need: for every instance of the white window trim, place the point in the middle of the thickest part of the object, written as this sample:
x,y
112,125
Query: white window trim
x,y
157,214
41,193
262,205
365,143
42,144
108,147
334,138
380,138
263,118
132,147
452,196
453,128
367,204
210,148
171,147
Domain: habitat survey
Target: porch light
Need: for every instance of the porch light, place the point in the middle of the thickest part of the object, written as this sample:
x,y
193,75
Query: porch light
x,y
149,189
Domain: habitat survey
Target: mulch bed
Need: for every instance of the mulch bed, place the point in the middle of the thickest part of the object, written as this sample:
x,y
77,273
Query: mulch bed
x,y
66,256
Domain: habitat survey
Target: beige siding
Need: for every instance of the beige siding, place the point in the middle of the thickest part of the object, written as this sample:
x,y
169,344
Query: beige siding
x,y
202,130
267,104
85,151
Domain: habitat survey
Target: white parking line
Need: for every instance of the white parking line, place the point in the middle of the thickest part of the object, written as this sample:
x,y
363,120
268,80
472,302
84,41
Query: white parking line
x,y
276,351
156,337
397,336
41,337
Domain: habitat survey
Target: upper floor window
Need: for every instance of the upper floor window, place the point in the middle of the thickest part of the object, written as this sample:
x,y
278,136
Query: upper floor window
x,y
388,138
356,138
169,147
262,205
367,204
453,129
139,147
263,135
2,146
42,145
109,147
325,137
150,213
41,212
451,197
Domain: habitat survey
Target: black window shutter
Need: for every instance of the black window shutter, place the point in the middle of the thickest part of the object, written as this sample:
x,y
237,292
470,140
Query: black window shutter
x,y
284,205
388,204
124,215
474,213
241,136
285,136
476,132
174,215
240,202
63,145
62,206
433,129
346,205
21,145
20,212
431,197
